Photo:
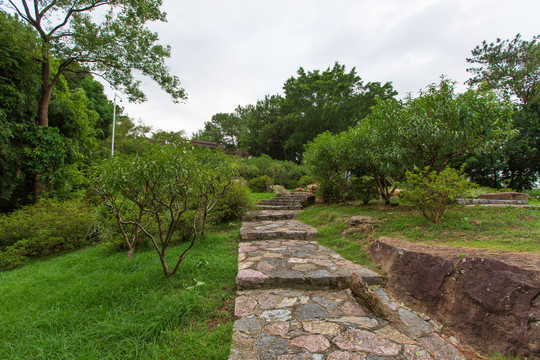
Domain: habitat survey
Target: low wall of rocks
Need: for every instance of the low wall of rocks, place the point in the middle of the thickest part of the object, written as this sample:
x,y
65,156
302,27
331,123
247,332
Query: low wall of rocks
x,y
490,301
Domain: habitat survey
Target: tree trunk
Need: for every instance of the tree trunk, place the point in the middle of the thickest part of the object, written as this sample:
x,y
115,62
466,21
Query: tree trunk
x,y
46,91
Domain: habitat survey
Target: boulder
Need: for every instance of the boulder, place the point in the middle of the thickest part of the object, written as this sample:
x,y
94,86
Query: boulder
x,y
504,196
490,301
312,187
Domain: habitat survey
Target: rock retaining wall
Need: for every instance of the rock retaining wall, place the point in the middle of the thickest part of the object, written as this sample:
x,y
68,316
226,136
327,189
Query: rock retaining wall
x,y
489,300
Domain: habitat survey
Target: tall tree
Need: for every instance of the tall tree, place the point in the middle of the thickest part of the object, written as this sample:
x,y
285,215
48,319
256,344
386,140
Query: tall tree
x,y
511,67
439,125
113,46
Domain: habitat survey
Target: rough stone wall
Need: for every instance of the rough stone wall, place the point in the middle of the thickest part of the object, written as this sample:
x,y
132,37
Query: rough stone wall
x,y
490,301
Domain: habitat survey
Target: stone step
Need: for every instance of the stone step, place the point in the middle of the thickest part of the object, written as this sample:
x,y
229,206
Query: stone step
x,y
268,215
278,201
288,324
280,229
299,264
281,207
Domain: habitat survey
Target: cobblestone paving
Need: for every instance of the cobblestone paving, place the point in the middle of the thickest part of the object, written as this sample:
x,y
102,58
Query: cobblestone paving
x,y
293,304
280,229
287,324
295,264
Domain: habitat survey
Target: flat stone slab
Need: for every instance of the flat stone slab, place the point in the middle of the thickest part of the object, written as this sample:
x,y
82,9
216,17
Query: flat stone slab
x,y
281,207
327,325
296,264
281,229
270,215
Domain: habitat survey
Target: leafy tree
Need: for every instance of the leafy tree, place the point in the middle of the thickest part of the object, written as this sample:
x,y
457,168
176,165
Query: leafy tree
x,y
130,138
18,84
165,194
511,67
376,152
265,131
170,137
224,129
112,47
329,159
316,102
440,126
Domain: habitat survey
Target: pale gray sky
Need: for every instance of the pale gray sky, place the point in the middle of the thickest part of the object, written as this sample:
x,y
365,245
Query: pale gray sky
x,y
230,53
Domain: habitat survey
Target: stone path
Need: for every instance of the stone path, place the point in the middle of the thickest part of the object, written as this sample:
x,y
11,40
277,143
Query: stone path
x,y
298,300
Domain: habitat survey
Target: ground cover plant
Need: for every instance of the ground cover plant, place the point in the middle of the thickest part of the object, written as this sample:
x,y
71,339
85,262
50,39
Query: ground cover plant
x,y
94,304
495,228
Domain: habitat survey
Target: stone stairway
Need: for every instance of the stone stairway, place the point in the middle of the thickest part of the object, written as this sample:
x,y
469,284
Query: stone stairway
x,y
295,300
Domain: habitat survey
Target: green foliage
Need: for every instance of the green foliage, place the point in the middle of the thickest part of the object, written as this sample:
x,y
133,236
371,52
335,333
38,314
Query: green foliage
x,y
363,188
43,229
439,125
431,191
509,66
115,46
223,129
166,194
259,184
233,204
330,191
512,68
314,102
329,159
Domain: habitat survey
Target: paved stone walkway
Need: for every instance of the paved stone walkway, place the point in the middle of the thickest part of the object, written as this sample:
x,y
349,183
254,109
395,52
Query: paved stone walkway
x,y
294,302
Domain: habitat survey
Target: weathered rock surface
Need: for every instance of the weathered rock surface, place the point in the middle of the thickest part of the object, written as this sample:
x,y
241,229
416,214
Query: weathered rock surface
x,y
317,325
491,301
279,229
270,215
505,196
296,264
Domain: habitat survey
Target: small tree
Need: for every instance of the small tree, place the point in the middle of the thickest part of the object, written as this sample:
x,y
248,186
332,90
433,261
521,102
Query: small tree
x,y
164,194
329,158
431,191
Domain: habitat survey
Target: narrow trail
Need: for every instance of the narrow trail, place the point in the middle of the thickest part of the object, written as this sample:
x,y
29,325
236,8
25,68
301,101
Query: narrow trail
x,y
298,300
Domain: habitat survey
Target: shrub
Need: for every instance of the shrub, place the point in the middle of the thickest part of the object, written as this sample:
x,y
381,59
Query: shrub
x,y
236,201
45,228
363,188
292,184
259,184
307,180
330,191
165,194
430,192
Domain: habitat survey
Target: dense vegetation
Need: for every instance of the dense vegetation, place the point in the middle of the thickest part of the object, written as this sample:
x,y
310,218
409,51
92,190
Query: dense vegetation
x,y
60,189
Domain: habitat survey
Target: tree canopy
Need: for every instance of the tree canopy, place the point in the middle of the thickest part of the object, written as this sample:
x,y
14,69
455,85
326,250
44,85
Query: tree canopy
x,y
511,67
112,44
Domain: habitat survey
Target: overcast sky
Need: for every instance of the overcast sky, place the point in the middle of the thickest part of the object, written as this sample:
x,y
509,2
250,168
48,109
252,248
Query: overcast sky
x,y
230,53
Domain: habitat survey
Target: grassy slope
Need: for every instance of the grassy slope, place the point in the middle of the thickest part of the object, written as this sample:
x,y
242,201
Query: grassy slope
x,y
503,228
92,304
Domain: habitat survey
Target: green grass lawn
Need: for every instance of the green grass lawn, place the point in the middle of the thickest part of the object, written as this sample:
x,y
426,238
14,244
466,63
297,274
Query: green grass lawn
x,y
93,304
497,228
263,196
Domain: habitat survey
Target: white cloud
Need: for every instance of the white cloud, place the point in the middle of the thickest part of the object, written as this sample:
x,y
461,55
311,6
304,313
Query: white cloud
x,y
233,53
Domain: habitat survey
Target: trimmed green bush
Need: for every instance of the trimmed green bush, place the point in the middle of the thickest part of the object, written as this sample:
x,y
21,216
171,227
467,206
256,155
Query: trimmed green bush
x,y
330,191
236,201
259,184
45,228
431,192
